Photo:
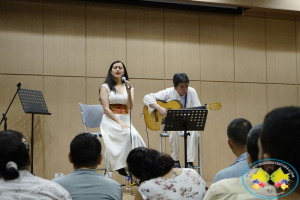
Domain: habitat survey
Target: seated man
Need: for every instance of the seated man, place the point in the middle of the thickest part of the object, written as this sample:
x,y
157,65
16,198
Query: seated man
x,y
280,140
188,97
237,131
84,182
233,188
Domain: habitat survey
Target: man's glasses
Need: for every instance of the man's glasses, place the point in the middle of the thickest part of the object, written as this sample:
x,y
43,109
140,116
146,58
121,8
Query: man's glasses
x,y
116,67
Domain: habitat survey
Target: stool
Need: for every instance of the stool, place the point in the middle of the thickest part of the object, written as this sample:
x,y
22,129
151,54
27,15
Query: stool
x,y
199,167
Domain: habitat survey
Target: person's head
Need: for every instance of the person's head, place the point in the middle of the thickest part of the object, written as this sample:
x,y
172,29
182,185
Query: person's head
x,y
146,164
14,154
280,136
237,132
85,151
116,71
252,146
181,83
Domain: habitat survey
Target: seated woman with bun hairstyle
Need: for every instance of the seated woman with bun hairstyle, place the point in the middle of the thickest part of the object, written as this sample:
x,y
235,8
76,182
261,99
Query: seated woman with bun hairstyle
x,y
15,181
158,178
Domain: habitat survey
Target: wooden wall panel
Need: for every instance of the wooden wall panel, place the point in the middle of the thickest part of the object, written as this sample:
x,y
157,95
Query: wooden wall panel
x,y
18,120
250,49
21,37
145,46
93,86
216,47
281,95
141,88
253,13
74,38
182,53
251,102
281,51
105,37
64,38
216,154
63,95
280,16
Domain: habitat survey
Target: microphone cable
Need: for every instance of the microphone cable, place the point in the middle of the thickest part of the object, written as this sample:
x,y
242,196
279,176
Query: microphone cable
x,y
130,117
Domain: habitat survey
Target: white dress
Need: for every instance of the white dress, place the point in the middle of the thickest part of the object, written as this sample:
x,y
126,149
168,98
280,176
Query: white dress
x,y
116,140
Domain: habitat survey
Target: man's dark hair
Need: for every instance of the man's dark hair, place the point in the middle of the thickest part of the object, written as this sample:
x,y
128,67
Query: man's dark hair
x,y
252,138
179,78
85,150
238,130
280,135
146,164
14,148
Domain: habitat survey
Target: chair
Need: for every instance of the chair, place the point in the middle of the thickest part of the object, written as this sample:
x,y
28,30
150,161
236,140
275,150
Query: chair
x,y
199,167
91,117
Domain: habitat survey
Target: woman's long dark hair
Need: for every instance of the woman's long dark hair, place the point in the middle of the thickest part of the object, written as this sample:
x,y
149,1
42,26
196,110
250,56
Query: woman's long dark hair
x,y
146,164
13,147
110,78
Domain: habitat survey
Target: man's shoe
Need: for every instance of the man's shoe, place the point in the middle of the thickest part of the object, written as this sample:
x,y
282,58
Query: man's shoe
x,y
190,165
177,164
122,172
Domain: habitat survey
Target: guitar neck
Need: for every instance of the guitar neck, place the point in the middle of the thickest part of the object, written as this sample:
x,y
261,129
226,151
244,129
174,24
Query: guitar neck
x,y
198,107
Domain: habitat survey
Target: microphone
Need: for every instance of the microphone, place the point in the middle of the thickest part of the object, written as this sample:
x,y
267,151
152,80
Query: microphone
x,y
124,81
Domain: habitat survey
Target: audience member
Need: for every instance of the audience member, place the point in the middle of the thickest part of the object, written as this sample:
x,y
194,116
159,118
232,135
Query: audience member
x,y
233,188
280,139
15,181
159,180
237,131
84,182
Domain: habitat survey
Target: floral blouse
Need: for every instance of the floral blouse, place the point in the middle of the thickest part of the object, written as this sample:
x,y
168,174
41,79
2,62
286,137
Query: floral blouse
x,y
187,185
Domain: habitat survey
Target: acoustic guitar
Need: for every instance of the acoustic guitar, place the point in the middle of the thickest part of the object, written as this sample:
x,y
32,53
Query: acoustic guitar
x,y
153,120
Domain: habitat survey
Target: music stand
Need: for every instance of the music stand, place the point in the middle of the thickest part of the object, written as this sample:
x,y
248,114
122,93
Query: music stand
x,y
33,102
186,120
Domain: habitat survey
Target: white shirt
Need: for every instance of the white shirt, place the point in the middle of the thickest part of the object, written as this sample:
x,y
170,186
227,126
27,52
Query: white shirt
x,y
28,186
170,94
233,189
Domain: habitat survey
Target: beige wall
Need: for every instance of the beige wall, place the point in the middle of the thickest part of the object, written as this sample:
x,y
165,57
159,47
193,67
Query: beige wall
x,y
248,63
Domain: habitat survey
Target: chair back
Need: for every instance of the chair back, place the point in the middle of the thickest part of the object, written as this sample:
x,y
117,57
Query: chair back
x,y
91,115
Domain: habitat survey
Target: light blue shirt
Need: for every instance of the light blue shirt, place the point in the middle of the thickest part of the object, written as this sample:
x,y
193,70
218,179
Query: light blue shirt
x,y
235,170
85,184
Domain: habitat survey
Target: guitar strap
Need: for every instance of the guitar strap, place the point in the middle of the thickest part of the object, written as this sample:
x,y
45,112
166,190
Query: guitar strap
x,y
185,100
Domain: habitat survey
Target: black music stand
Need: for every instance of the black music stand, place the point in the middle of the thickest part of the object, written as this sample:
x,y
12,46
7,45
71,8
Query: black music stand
x,y
33,102
185,120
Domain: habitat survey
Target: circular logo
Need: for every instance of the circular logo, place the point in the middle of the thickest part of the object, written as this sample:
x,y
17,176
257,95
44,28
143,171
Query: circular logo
x,y
270,178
